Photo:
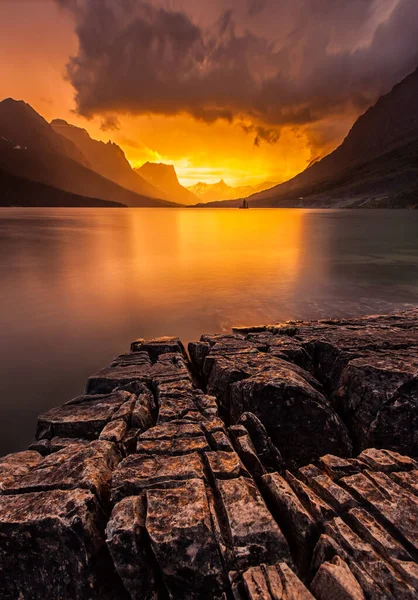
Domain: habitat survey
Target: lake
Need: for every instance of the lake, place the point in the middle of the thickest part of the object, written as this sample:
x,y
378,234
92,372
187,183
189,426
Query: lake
x,y
77,285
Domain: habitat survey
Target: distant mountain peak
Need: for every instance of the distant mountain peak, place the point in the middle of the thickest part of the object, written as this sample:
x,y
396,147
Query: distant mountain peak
x,y
164,177
212,192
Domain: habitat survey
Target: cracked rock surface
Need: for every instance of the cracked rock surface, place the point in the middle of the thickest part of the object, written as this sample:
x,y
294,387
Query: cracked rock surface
x,y
278,463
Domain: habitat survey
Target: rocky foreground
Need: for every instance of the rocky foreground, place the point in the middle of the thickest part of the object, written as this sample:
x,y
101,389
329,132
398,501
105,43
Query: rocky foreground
x,y
229,475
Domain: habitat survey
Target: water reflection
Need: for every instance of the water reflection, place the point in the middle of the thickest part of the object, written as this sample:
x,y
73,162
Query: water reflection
x,y
77,285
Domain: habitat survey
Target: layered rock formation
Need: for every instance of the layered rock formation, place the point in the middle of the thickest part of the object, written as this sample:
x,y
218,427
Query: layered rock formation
x,y
230,476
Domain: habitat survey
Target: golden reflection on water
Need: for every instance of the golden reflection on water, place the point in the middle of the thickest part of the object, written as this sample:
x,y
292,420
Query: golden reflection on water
x,y
78,285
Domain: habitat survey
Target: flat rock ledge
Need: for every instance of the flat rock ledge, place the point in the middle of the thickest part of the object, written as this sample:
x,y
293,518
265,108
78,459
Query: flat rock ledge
x,y
276,463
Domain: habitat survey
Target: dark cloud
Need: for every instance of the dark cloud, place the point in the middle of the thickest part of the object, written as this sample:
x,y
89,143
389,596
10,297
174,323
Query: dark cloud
x,y
110,123
271,136
256,7
294,64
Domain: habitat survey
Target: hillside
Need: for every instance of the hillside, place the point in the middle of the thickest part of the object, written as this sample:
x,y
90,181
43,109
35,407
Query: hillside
x,y
375,165
21,124
164,177
16,191
108,159
38,153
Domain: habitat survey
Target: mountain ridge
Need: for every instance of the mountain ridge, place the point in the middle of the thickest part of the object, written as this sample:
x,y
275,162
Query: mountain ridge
x,y
209,192
107,159
31,149
390,124
164,177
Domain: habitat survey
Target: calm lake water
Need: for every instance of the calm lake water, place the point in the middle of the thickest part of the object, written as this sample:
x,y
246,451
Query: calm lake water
x,y
78,284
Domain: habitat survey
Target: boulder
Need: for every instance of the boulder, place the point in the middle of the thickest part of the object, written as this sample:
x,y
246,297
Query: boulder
x,y
137,473
298,418
52,546
15,465
114,431
157,346
392,502
335,580
82,417
179,526
225,465
295,521
378,396
87,467
255,536
127,541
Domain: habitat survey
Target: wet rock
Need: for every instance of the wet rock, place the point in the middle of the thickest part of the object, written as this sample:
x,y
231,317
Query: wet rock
x,y
248,455
292,412
128,545
198,352
58,443
375,575
296,522
332,493
130,440
337,467
378,394
245,330
87,467
174,407
220,441
114,431
371,531
176,446
108,379
137,473
225,465
143,410
266,450
396,423
82,417
43,447
255,536
15,465
396,505
335,580
179,525
174,429
52,546
169,368
320,510
207,405
132,359
275,582
125,411
386,461
157,346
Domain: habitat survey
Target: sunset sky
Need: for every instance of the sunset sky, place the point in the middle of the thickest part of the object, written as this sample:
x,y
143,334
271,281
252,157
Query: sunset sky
x,y
244,90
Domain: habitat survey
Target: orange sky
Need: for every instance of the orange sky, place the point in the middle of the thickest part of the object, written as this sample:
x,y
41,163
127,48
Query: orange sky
x,y
36,40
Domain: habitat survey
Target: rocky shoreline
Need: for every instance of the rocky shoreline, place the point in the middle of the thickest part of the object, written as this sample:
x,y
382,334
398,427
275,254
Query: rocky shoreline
x,y
277,462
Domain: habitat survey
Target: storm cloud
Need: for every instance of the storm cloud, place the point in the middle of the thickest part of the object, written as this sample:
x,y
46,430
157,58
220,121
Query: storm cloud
x,y
264,63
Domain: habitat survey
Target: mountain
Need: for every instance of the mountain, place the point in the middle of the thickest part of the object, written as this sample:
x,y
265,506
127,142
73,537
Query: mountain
x,y
108,159
164,177
30,148
209,192
376,164
16,191
21,124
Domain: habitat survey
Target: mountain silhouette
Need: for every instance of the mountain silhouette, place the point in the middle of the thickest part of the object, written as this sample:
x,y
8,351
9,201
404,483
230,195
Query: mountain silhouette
x,y
30,148
108,159
164,177
376,164
16,191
